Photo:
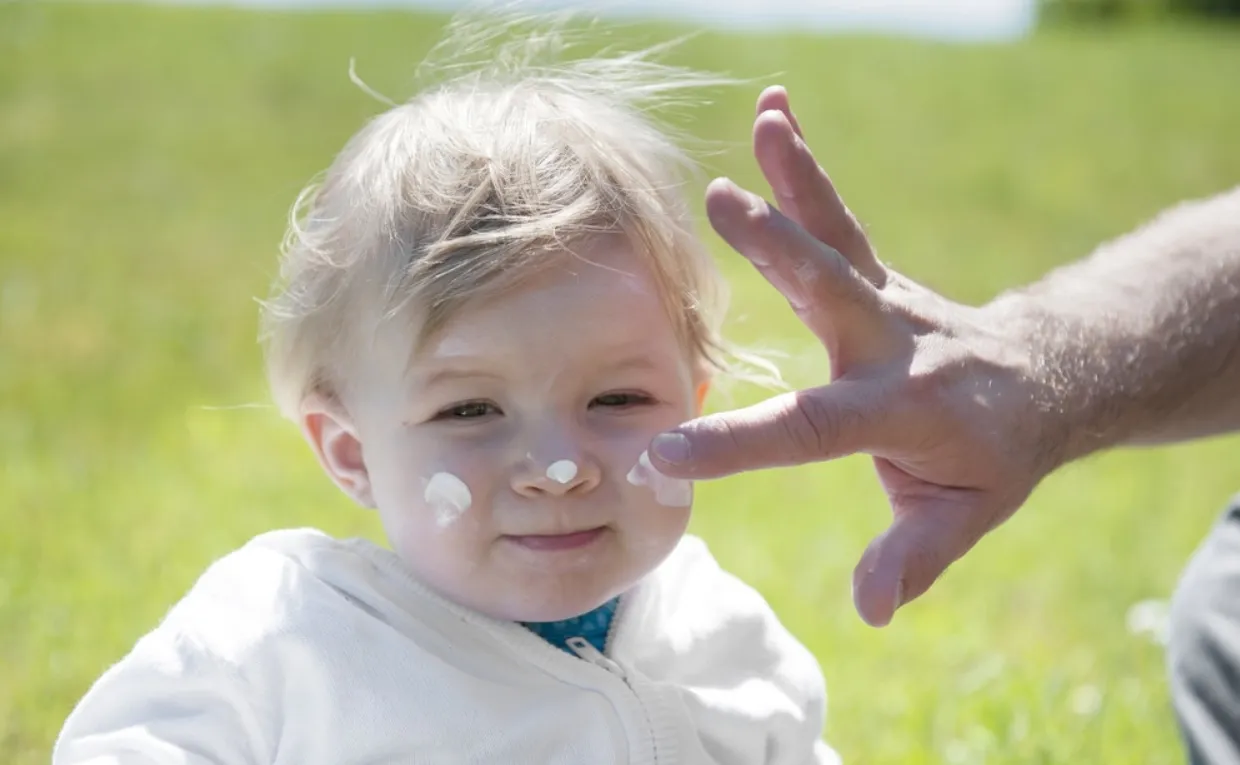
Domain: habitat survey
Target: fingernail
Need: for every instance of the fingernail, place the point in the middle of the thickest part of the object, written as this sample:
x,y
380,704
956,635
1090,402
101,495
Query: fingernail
x,y
899,596
672,448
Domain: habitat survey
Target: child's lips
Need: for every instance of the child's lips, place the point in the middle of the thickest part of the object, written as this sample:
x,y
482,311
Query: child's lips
x,y
557,542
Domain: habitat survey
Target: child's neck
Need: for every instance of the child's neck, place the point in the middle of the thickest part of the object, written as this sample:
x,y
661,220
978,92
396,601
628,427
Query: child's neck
x,y
594,626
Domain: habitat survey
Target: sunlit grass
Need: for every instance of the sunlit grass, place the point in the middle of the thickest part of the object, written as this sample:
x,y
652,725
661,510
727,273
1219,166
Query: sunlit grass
x,y
147,159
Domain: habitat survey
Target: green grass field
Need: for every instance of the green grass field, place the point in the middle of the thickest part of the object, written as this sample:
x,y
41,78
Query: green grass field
x,y
147,160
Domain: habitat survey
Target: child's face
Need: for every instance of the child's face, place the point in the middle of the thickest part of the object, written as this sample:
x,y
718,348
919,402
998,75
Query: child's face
x,y
577,369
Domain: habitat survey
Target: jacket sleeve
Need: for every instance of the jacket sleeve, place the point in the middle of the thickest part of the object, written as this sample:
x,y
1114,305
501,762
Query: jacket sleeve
x,y
769,683
202,687
796,735
165,703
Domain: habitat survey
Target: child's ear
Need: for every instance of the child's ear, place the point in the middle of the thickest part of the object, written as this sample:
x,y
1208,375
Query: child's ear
x,y
333,437
703,388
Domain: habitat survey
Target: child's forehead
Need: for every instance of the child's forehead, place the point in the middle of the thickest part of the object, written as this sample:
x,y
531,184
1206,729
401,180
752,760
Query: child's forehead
x,y
602,297
571,285
574,296
597,274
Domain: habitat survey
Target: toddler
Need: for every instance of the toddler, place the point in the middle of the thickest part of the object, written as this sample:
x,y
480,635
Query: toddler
x,y
488,307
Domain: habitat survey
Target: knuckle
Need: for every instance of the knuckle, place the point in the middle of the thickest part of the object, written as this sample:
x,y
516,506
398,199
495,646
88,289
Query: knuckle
x,y
924,387
830,275
819,271
731,446
735,443
839,281
812,427
939,372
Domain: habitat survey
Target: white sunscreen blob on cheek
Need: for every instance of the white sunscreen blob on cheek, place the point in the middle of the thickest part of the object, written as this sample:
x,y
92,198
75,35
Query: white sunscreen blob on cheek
x,y
448,496
669,492
562,471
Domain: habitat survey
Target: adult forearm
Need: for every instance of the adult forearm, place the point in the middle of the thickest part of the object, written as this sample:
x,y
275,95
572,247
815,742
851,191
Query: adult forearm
x,y
1140,342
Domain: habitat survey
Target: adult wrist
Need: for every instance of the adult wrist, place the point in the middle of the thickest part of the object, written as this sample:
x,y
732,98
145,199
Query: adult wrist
x,y
1056,418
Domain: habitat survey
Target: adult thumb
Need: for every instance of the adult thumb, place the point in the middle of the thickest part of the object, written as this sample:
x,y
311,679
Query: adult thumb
x,y
903,562
811,425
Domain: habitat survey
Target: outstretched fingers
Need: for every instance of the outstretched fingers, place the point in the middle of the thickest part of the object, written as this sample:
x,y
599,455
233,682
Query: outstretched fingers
x,y
803,190
830,297
775,98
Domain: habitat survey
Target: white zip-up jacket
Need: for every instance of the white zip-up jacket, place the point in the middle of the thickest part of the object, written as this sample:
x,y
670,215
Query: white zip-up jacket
x,y
301,649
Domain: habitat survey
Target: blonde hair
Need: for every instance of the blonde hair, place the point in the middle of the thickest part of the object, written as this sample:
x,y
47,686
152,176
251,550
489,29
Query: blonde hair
x,y
461,192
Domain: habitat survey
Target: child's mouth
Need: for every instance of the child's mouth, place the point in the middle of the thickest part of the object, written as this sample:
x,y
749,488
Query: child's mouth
x,y
556,542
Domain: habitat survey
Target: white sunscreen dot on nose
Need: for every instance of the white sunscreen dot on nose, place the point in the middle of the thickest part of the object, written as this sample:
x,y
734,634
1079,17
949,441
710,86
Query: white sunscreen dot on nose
x,y
562,471
448,495
668,491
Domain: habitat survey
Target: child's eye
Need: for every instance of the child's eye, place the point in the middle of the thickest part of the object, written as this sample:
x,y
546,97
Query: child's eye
x,y
470,410
621,400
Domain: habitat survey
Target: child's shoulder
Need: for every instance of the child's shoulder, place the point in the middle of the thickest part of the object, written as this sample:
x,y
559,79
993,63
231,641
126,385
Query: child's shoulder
x,y
725,622
693,562
261,572
271,586
693,578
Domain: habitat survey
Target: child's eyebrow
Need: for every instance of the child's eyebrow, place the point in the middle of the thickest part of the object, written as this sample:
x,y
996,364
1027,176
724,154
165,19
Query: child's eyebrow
x,y
448,374
634,362
642,362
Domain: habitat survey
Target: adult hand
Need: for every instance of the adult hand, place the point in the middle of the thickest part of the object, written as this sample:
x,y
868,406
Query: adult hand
x,y
943,396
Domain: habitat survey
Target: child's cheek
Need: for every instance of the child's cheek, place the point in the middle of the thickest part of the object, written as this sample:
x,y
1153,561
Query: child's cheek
x,y
457,486
668,491
447,496
430,483
629,465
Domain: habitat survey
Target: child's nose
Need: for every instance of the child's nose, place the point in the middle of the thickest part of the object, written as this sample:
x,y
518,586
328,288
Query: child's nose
x,y
557,475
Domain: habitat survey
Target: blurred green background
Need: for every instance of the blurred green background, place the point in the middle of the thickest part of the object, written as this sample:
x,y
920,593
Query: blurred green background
x,y
148,157
1075,11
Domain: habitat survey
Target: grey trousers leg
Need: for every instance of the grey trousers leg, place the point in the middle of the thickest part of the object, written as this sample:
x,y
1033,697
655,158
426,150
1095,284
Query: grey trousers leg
x,y
1203,651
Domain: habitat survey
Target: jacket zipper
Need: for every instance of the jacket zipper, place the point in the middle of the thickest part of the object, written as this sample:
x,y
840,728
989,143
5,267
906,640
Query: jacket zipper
x,y
588,652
